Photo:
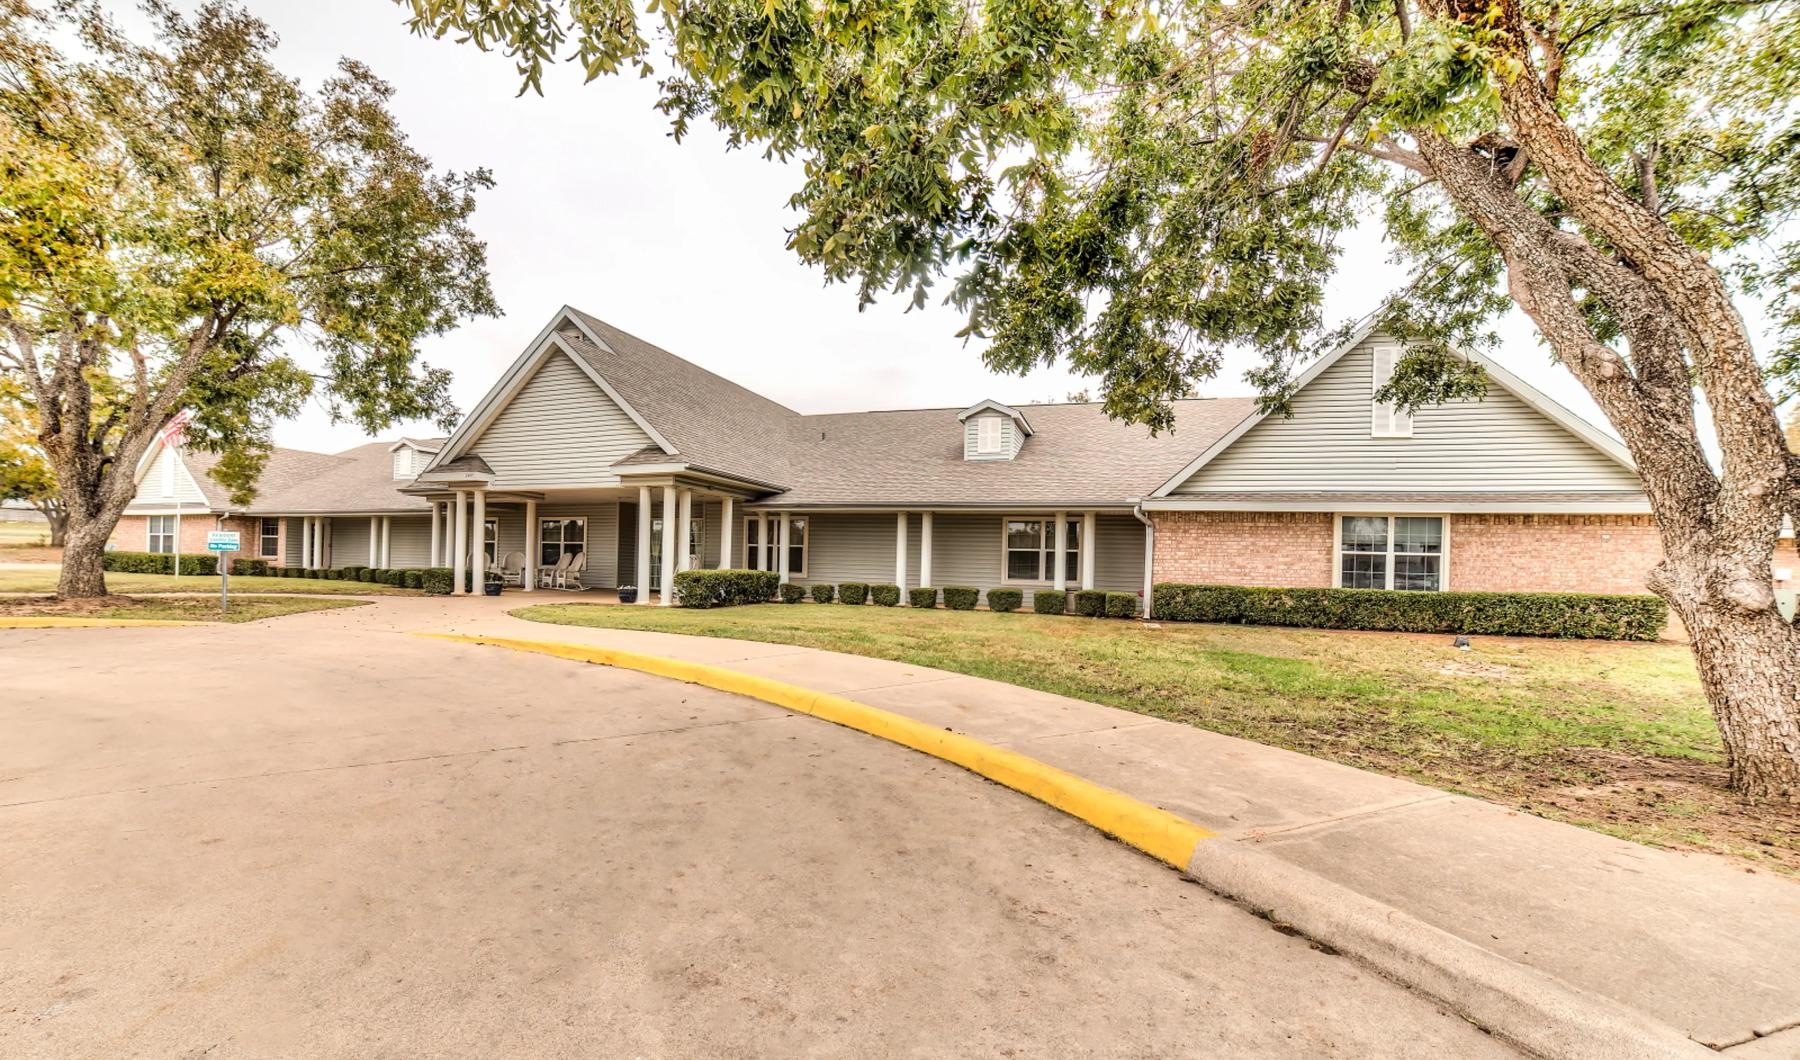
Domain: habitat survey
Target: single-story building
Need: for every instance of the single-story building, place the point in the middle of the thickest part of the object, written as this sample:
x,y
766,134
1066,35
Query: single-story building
x,y
597,442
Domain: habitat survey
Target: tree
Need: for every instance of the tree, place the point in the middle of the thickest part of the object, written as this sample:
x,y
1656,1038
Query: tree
x,y
1131,187
25,474
176,219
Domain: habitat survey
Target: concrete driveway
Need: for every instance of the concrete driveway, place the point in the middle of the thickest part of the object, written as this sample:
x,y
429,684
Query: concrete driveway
x,y
314,837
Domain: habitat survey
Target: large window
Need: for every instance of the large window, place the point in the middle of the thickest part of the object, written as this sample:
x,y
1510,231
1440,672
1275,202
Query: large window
x,y
762,555
1391,552
269,538
162,533
559,536
1031,551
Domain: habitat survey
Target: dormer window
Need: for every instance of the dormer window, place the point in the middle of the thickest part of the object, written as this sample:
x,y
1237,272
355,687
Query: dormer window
x,y
988,435
1386,419
992,431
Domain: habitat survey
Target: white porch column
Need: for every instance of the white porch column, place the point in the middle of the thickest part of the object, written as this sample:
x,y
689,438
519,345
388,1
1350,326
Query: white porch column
x,y
761,560
1062,548
669,504
532,546
387,554
437,537
305,541
925,549
459,542
785,526
900,553
643,545
1087,544
375,541
684,531
478,537
324,540
725,521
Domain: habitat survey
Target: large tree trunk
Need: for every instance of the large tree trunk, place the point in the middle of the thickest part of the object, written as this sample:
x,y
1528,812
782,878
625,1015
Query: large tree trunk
x,y
83,576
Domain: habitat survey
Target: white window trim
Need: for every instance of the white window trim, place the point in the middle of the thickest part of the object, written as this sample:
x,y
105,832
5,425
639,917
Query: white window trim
x,y
984,425
1337,545
261,538
1047,535
773,544
1385,420
150,534
558,519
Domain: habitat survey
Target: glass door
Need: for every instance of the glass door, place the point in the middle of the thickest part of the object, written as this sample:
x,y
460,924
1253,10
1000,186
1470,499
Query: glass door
x,y
656,525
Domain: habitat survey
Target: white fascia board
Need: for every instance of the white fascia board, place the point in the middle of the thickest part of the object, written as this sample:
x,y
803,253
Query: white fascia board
x,y
1192,502
1004,410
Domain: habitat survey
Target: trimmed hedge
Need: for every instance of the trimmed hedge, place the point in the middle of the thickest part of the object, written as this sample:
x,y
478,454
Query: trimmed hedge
x,y
1004,599
255,567
1121,605
924,596
158,563
437,581
961,597
1050,601
823,593
885,595
413,579
366,574
1090,603
792,594
395,578
352,573
854,593
1589,615
724,588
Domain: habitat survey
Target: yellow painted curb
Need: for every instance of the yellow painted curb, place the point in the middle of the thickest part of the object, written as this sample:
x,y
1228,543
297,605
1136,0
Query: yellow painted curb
x,y
1157,832
66,622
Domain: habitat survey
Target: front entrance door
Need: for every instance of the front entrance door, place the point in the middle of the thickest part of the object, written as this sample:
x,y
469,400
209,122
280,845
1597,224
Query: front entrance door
x,y
656,525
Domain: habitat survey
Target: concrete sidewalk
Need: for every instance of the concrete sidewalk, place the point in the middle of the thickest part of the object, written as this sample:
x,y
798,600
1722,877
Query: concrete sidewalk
x,y
1696,941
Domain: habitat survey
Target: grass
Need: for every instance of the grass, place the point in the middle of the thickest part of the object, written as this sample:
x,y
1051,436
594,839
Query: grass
x,y
1612,736
44,581
172,608
23,534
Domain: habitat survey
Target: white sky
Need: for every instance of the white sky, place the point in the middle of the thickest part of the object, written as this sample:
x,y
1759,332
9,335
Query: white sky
x,y
596,207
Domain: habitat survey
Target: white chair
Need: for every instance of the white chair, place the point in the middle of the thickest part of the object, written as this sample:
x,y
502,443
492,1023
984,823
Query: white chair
x,y
512,569
547,576
570,577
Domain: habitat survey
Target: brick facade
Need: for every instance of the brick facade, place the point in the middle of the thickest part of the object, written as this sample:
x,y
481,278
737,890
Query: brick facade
x,y
133,534
1291,550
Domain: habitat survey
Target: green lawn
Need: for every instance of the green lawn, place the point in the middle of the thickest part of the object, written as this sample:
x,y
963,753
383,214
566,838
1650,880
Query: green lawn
x,y
44,581
1614,736
23,534
172,608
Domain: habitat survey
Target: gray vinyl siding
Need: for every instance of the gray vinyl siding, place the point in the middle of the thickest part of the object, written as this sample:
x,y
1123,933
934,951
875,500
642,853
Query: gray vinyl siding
x,y
602,538
350,542
291,531
183,489
409,541
1498,443
1119,554
627,550
560,429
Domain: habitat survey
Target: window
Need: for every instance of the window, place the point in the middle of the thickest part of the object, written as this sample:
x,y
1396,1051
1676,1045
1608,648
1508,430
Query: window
x,y
696,542
987,434
1391,552
162,533
796,545
1387,421
762,555
490,538
753,550
270,538
559,536
1031,551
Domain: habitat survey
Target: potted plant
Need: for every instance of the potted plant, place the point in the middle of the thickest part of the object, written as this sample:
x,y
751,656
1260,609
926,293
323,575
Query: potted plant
x,y
628,594
490,585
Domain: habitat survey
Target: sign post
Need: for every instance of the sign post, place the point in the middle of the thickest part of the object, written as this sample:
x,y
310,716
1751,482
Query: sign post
x,y
222,543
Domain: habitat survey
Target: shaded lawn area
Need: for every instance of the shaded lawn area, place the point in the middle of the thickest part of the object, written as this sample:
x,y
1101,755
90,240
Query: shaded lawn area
x,y
22,542
1609,735
44,581
170,608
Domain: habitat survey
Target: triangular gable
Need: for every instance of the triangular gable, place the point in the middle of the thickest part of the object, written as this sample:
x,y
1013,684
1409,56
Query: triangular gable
x,y
160,466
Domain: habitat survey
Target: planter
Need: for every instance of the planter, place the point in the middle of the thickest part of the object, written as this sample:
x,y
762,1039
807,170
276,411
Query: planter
x,y
490,589
628,596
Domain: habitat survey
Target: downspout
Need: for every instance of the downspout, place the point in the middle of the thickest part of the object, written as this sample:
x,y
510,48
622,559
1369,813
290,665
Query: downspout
x,y
1137,509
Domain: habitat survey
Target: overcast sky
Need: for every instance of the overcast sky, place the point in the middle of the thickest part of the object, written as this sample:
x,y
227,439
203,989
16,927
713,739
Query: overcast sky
x,y
596,207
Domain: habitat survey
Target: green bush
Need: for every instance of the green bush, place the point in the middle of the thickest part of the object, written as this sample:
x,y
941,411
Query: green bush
x,y
724,588
1121,605
854,593
1492,614
823,593
1003,599
159,563
884,595
1090,603
924,596
351,573
395,578
791,593
1050,601
413,579
286,572
437,581
961,597
254,567
334,573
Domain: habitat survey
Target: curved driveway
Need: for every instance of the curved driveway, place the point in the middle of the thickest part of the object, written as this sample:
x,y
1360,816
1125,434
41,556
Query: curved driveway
x,y
316,836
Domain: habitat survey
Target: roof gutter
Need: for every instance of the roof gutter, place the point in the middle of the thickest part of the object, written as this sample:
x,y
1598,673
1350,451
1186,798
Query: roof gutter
x,y
1149,560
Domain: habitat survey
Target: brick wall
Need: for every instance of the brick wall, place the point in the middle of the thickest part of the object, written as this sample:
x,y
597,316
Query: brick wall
x,y
1287,549
133,534
1552,553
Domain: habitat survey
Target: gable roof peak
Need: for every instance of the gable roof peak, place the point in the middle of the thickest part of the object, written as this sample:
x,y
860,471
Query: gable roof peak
x,y
989,404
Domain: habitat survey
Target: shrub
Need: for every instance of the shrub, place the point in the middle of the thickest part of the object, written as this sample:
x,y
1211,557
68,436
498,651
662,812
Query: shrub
x,y
1121,605
158,563
1003,599
1090,603
724,588
824,594
791,593
1493,614
1049,601
351,574
884,595
924,596
257,567
367,574
396,578
854,593
414,579
961,597
333,573
438,581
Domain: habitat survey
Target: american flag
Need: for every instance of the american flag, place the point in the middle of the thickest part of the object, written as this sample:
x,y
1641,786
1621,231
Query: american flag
x,y
177,426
